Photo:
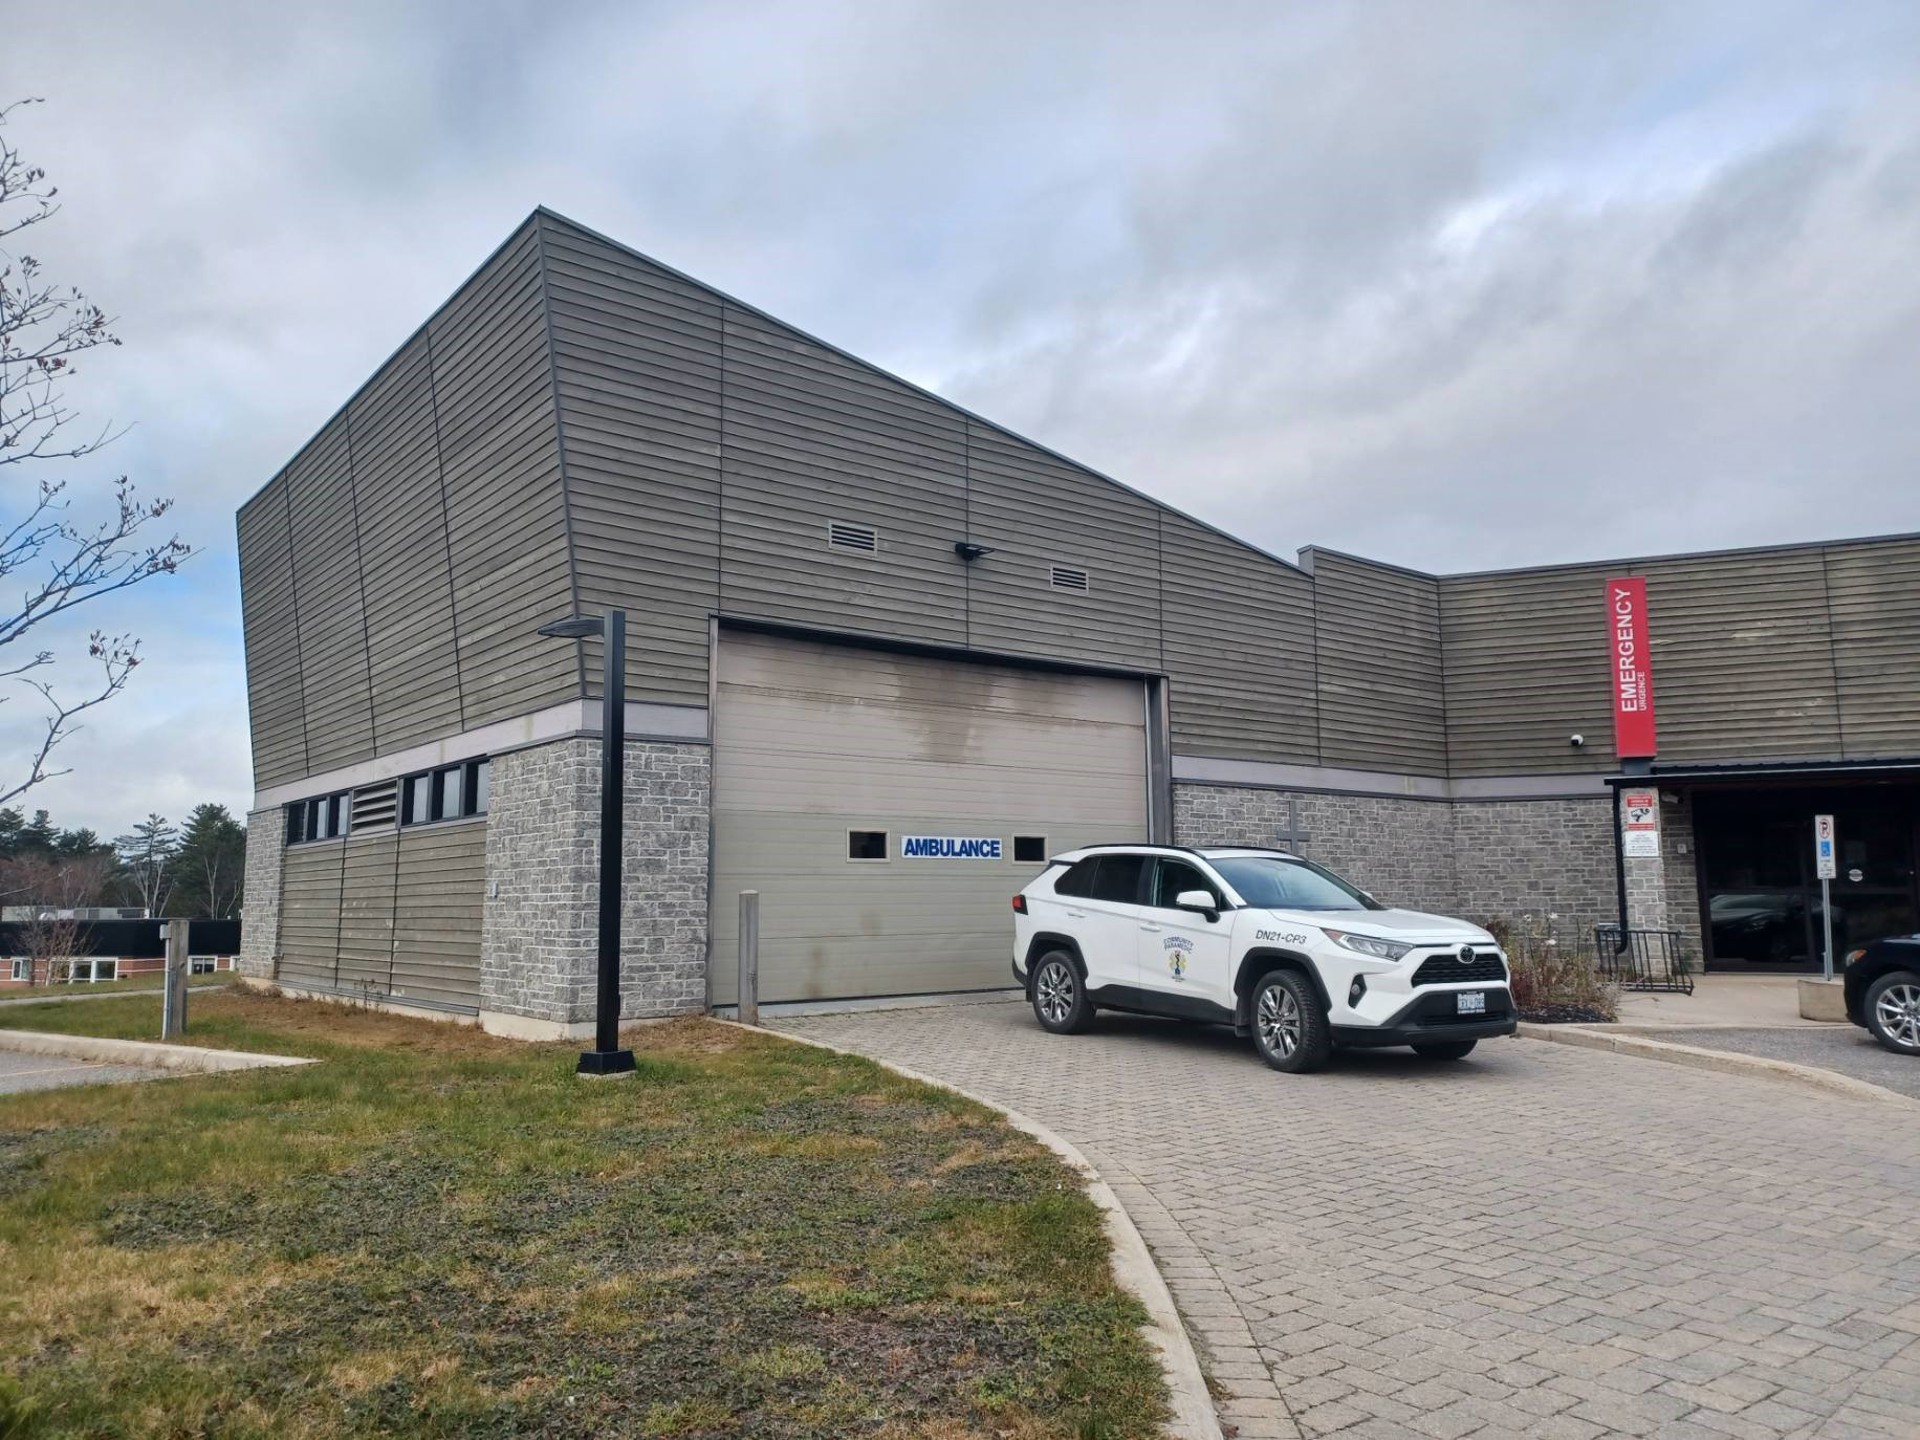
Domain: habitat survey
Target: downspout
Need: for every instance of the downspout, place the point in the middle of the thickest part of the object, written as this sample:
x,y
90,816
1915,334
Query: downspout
x,y
1619,868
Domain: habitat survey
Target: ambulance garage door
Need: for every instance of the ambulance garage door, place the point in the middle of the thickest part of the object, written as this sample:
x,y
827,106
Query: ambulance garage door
x,y
820,750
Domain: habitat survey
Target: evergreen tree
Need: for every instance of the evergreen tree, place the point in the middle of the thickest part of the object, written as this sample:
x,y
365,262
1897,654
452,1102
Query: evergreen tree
x,y
209,865
146,857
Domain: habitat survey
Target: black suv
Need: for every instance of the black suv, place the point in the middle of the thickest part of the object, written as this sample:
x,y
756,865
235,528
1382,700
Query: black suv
x,y
1883,991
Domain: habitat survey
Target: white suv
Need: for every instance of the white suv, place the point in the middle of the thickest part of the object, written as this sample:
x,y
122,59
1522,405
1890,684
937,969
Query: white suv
x,y
1266,942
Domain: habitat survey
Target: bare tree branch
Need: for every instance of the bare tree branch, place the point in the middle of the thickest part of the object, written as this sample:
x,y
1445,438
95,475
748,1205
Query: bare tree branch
x,y
57,559
118,656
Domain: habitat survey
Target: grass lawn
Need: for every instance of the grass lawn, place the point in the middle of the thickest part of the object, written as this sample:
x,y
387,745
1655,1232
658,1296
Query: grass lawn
x,y
150,980
439,1233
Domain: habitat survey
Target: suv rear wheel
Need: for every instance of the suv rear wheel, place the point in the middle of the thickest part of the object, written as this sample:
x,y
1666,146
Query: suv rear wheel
x,y
1893,1011
1060,1001
1289,1027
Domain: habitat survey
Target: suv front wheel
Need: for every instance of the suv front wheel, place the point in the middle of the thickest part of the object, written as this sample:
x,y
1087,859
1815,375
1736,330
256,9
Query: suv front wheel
x,y
1060,1001
1893,1011
1289,1027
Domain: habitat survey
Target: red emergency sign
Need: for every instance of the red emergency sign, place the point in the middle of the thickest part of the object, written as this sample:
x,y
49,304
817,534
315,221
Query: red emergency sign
x,y
1631,669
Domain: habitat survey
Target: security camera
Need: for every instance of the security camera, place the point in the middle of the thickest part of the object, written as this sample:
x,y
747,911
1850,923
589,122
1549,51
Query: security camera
x,y
1576,741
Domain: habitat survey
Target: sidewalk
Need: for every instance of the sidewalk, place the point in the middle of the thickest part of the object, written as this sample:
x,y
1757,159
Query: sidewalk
x,y
1746,1002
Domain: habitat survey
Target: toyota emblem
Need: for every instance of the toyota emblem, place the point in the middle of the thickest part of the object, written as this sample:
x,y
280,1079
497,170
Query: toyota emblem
x,y
1466,954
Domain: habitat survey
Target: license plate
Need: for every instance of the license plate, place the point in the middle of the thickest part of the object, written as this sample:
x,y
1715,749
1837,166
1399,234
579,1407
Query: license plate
x,y
1471,1002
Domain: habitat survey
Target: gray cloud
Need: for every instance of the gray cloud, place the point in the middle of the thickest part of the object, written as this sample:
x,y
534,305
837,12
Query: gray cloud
x,y
1454,285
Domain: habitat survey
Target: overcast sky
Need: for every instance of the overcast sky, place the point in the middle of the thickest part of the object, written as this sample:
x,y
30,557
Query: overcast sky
x,y
1448,284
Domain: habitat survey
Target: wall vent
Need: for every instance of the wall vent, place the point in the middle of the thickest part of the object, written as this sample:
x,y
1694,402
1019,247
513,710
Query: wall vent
x,y
376,806
843,536
1069,577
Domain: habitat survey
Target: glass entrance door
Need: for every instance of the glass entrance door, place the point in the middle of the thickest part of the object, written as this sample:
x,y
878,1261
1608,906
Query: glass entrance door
x,y
1761,900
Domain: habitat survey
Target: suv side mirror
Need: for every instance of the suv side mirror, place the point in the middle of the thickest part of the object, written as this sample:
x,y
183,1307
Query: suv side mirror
x,y
1201,900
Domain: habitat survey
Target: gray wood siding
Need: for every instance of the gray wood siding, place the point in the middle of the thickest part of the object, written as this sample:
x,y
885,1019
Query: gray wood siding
x,y
1742,660
393,574
1873,589
506,516
581,426
1038,511
636,351
276,705
1526,667
440,890
1239,647
331,621
809,436
1382,690
310,913
411,626
366,912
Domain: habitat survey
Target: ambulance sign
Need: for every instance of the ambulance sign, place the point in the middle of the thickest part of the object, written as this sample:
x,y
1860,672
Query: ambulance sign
x,y
1640,823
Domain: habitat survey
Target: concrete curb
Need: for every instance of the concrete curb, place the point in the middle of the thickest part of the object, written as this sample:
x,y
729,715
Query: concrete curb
x,y
193,1059
1727,1061
1194,1417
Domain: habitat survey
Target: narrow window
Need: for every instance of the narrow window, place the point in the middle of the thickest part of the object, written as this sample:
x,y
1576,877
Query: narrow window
x,y
446,793
479,786
866,845
1029,849
19,969
296,824
419,796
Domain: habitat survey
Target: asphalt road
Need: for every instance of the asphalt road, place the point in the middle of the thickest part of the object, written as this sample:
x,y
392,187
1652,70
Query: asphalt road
x,y
1845,1048
48,1072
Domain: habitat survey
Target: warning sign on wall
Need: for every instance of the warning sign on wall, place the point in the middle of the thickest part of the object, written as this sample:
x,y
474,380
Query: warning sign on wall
x,y
1640,822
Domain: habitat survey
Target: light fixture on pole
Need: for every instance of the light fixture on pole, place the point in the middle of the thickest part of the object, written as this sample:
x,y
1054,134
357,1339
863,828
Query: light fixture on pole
x,y
606,1057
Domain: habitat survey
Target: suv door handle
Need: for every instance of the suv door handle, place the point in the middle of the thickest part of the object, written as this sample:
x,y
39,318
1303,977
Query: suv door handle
x,y
1076,914
1149,925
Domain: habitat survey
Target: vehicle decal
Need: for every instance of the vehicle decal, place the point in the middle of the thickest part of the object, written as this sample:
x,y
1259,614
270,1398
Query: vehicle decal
x,y
1179,951
1281,937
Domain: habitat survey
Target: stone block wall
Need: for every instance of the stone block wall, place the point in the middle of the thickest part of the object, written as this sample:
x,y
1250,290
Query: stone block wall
x,y
260,905
1399,850
1680,870
1536,858
1480,860
538,937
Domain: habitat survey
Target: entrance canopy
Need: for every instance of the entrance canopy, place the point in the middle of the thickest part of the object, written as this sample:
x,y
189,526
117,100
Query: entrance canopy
x,y
1752,854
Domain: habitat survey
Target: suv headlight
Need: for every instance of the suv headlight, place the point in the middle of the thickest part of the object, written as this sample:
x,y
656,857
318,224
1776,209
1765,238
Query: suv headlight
x,y
1368,945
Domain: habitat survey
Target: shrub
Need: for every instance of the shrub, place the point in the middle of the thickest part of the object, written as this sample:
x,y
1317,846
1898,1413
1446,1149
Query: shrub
x,y
1553,979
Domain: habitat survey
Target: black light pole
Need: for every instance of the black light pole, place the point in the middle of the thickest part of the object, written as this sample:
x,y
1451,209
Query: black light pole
x,y
606,1057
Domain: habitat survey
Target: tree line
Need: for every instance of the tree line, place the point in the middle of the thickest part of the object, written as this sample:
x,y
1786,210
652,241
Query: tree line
x,y
196,869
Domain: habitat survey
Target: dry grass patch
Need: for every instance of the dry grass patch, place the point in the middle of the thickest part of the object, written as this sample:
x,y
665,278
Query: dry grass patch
x,y
437,1233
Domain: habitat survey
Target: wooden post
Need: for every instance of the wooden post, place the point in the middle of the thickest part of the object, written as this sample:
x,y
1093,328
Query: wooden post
x,y
749,957
173,1011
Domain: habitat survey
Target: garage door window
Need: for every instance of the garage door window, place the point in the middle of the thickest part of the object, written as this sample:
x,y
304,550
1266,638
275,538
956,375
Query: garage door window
x,y
866,845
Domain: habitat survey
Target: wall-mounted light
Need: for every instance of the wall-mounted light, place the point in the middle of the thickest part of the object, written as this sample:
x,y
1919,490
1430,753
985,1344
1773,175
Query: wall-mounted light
x,y
970,552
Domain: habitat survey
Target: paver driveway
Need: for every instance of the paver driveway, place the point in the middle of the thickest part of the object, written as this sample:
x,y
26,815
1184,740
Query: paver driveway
x,y
1541,1240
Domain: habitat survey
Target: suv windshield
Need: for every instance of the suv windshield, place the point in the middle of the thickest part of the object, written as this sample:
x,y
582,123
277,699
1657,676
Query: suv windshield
x,y
1271,883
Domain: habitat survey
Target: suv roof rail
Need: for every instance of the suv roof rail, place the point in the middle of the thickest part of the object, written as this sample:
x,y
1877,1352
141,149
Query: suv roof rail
x,y
1138,845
